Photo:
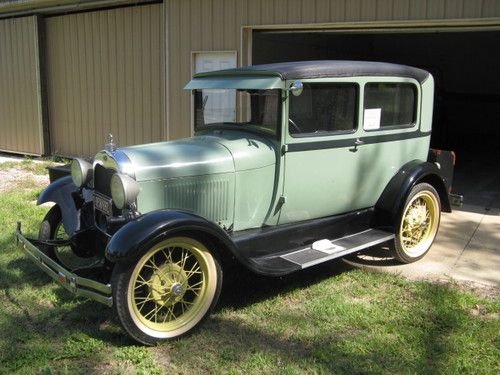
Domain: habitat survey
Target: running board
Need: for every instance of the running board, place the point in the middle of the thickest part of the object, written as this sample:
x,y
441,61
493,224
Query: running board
x,y
322,251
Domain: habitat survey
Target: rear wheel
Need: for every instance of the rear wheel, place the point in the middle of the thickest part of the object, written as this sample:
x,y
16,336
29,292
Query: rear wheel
x,y
418,224
168,292
52,229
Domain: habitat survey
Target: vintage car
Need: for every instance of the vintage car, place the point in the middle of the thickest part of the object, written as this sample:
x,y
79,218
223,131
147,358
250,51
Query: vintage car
x,y
291,165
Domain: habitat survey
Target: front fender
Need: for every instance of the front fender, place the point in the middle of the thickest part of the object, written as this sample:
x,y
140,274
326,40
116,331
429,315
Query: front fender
x,y
135,237
61,193
390,203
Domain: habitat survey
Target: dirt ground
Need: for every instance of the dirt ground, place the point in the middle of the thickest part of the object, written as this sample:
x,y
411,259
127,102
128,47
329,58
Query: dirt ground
x,y
10,179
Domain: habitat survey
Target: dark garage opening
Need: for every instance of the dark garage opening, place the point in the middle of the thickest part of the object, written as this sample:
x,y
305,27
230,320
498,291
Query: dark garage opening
x,y
466,71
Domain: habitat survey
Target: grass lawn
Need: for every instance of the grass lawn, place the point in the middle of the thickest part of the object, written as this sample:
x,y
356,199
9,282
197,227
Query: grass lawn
x,y
329,319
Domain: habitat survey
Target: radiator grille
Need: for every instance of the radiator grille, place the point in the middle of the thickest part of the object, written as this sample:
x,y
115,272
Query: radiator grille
x,y
102,179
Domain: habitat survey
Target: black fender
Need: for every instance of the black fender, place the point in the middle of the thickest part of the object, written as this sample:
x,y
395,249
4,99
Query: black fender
x,y
136,237
61,193
390,203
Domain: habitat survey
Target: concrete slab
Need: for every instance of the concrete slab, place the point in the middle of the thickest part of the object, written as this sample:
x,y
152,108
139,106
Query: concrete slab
x,y
467,247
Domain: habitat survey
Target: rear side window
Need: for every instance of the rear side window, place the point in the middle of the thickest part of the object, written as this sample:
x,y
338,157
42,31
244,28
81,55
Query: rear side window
x,y
389,104
323,108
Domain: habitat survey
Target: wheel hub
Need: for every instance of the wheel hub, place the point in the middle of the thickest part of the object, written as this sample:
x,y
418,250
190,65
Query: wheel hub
x,y
167,284
416,223
417,216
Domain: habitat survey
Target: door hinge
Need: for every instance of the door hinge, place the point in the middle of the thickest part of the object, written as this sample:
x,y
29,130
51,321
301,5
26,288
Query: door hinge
x,y
284,149
281,202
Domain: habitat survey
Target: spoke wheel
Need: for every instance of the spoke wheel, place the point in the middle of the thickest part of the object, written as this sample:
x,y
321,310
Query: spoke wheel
x,y
418,224
168,291
52,229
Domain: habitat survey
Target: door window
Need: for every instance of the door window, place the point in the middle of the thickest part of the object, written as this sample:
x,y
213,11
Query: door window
x,y
389,105
322,109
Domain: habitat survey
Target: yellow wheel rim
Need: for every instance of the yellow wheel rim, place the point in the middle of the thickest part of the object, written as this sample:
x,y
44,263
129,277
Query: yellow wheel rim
x,y
420,223
172,287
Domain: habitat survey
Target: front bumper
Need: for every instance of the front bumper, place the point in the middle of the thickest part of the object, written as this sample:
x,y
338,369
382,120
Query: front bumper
x,y
77,285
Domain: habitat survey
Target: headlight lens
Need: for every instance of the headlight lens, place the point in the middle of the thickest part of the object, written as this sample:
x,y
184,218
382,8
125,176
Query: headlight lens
x,y
81,172
124,190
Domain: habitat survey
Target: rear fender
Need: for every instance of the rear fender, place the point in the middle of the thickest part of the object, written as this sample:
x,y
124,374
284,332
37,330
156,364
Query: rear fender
x,y
61,193
391,202
136,237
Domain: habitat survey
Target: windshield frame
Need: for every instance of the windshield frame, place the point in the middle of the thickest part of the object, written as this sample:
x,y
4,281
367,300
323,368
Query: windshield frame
x,y
240,126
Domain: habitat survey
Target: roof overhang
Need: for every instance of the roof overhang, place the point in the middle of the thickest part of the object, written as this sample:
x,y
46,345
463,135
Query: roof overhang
x,y
14,8
255,82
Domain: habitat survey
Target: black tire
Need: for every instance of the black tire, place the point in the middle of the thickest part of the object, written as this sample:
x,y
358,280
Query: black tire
x,y
165,282
418,224
48,230
51,229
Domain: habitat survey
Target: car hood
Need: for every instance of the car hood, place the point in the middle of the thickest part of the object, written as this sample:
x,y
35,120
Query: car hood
x,y
210,153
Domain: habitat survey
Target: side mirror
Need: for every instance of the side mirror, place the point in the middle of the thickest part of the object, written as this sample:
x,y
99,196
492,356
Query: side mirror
x,y
296,88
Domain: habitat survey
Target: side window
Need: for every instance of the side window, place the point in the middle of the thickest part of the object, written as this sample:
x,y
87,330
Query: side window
x,y
323,108
389,104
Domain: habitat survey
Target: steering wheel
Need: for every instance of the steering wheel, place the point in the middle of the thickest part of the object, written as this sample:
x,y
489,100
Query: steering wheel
x,y
294,126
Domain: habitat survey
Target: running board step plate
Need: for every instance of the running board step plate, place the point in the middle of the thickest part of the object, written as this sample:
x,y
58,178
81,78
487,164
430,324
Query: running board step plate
x,y
324,250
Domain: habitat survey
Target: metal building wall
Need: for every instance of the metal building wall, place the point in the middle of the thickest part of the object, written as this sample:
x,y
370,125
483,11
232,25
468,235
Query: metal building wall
x,y
20,108
215,25
105,74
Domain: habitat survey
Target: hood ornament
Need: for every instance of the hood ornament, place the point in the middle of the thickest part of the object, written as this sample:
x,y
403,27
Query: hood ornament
x,y
111,145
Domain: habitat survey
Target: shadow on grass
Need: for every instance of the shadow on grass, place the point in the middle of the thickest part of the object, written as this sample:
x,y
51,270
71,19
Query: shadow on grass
x,y
226,340
420,345
242,287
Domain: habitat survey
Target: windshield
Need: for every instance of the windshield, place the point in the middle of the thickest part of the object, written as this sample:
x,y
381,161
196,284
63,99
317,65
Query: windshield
x,y
236,108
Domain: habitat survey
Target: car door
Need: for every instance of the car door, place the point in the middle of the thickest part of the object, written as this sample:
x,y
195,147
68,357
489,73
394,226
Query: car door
x,y
322,169
390,132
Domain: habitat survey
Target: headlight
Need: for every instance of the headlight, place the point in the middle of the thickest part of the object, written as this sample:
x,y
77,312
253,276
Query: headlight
x,y
81,172
124,190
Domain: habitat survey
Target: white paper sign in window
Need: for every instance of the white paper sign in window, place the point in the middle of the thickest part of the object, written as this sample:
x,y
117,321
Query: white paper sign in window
x,y
372,118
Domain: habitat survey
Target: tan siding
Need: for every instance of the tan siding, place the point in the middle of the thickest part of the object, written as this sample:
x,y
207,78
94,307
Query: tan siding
x,y
322,11
20,108
211,25
105,74
400,9
490,7
337,10
472,9
435,9
454,8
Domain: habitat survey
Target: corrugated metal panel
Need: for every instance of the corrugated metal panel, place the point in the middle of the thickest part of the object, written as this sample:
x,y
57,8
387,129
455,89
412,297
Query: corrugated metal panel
x,y
105,73
214,25
20,115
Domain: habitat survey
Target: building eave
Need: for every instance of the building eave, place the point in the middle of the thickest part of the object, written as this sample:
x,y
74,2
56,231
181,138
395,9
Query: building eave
x,y
14,8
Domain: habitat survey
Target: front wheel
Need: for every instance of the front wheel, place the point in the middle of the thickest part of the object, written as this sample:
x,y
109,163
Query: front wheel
x,y
418,224
168,291
52,229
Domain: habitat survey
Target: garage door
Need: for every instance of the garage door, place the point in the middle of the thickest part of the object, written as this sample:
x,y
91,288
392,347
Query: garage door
x,y
20,115
105,74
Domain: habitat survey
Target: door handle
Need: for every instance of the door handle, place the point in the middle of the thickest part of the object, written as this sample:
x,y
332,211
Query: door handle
x,y
357,142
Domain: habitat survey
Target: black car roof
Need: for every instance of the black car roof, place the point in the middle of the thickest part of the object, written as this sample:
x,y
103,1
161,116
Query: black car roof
x,y
323,69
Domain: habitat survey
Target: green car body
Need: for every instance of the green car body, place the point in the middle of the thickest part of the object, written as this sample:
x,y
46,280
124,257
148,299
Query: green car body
x,y
242,175
259,182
